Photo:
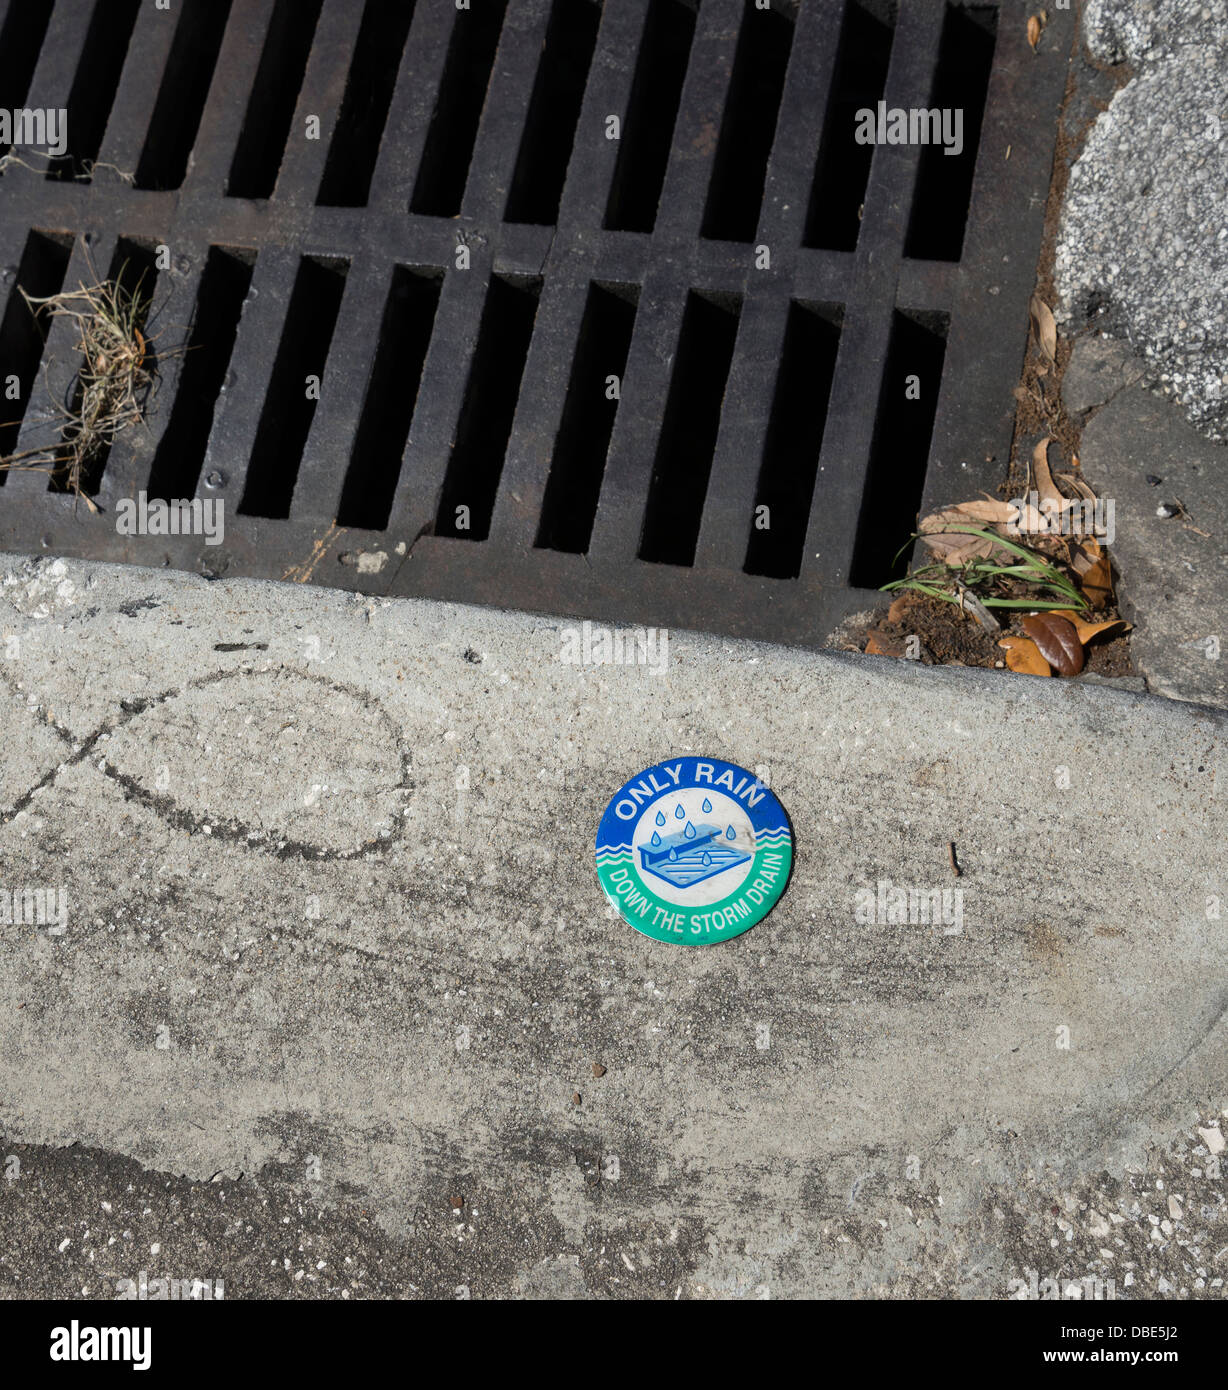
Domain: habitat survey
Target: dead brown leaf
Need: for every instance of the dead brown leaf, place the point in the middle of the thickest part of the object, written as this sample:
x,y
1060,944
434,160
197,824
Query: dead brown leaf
x,y
1058,642
956,548
1091,564
1086,553
1045,487
1045,328
1078,485
1023,655
1088,630
987,509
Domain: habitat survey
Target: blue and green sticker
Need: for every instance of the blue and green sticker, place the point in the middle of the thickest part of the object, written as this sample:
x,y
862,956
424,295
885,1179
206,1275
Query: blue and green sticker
x,y
694,850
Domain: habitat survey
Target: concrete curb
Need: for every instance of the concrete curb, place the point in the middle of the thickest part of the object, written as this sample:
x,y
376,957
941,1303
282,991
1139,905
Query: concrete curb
x,y
328,865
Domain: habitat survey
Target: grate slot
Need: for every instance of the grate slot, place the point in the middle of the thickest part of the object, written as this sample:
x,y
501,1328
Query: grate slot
x,y
943,192
656,92
489,406
578,463
133,270
364,108
44,263
895,477
739,169
219,303
440,184
21,41
95,85
289,408
794,438
688,431
392,393
181,97
554,108
270,107
842,171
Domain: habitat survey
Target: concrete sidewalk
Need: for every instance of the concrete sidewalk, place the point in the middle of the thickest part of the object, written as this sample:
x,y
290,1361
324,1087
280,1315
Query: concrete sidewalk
x,y
335,961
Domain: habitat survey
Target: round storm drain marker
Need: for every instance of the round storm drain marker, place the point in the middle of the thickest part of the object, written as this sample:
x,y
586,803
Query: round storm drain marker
x,y
694,850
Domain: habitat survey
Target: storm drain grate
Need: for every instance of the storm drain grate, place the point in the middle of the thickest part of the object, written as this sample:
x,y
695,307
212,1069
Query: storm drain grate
x,y
579,308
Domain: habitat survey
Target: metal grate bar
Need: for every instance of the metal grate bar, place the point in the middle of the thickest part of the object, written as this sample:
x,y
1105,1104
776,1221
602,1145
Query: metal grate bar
x,y
960,462
399,157
39,273
730,495
321,95
629,464
226,105
351,356
444,379
565,501
60,56
698,127
791,164
838,502
390,399
538,415
606,93
23,26
521,42
762,48
645,97
41,425
211,285
132,112
238,416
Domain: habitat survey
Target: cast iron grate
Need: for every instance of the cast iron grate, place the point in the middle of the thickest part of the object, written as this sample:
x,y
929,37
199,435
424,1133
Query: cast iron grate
x,y
557,371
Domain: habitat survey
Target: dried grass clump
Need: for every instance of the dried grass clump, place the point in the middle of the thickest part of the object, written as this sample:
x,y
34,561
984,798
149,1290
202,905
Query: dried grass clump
x,y
111,387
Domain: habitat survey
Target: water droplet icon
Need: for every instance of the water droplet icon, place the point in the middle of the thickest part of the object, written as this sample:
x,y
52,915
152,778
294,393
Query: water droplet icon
x,y
731,834
707,857
656,839
673,854
707,806
679,811
689,832
660,817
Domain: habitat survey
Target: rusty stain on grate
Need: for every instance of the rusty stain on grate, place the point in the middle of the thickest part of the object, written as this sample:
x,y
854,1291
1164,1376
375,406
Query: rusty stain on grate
x,y
609,313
